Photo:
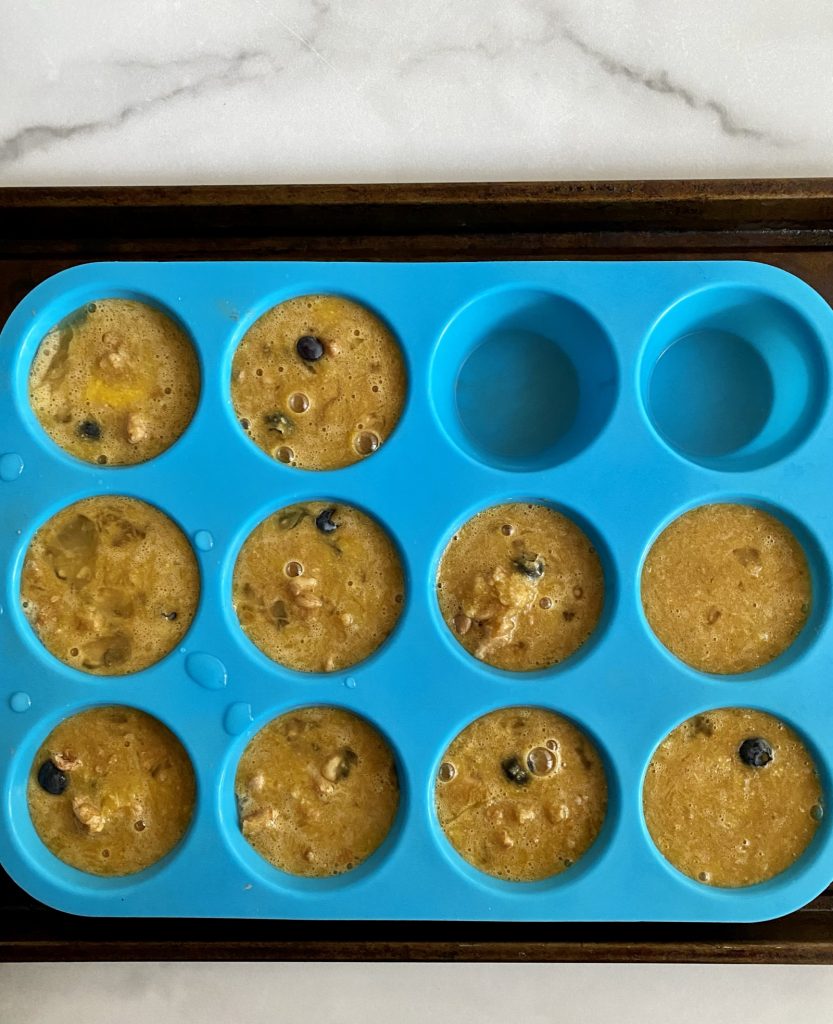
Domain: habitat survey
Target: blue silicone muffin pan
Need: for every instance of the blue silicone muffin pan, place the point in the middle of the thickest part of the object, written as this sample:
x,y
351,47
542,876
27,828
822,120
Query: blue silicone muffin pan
x,y
621,393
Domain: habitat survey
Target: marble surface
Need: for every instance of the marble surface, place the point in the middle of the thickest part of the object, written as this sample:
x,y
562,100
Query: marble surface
x,y
173,91
413,993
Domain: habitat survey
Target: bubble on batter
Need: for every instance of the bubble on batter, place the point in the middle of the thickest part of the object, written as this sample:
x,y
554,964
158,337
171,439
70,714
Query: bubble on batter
x,y
541,761
293,569
298,402
366,442
446,772
545,602
284,454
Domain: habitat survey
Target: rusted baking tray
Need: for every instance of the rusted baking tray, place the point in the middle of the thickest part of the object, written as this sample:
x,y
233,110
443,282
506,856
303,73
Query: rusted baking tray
x,y
786,223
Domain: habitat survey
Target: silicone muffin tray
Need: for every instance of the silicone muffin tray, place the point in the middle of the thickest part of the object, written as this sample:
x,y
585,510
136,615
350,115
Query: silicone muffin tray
x,y
653,388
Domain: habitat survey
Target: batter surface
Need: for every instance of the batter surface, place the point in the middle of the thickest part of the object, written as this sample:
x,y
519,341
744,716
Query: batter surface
x,y
726,588
318,382
520,586
110,585
732,797
317,791
318,586
116,382
111,791
521,794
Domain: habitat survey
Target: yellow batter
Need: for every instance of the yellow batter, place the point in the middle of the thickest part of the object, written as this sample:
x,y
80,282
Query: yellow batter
x,y
317,791
111,791
116,382
318,586
732,797
520,586
521,794
726,588
318,382
110,585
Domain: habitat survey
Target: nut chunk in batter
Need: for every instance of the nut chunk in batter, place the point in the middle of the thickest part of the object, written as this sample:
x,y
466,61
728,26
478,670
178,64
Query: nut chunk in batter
x,y
726,588
317,791
110,585
520,586
111,791
732,797
521,794
318,586
116,382
318,382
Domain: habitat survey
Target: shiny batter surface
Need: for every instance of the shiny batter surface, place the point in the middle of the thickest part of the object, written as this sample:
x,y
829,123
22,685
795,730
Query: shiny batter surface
x,y
317,791
110,585
520,586
521,793
721,820
326,412
127,791
726,588
318,586
116,382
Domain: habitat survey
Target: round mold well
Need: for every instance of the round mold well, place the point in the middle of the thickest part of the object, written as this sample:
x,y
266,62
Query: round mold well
x,y
523,379
820,578
595,853
35,851
255,864
609,605
817,848
64,307
733,378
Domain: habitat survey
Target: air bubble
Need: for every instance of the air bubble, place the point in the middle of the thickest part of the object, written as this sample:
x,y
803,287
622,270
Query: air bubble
x,y
284,454
298,402
366,442
816,812
447,772
541,761
293,569
545,602
507,530
101,460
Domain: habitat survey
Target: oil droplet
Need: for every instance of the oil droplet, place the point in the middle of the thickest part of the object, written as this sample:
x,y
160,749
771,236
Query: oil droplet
x,y
20,702
366,442
206,670
447,772
204,540
237,718
284,454
11,466
298,402
350,683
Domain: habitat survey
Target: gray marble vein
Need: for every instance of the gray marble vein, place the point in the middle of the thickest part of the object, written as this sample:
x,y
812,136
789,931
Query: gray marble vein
x,y
233,70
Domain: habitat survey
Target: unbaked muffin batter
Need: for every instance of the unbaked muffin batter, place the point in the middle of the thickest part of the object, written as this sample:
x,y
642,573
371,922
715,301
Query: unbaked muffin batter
x,y
521,793
726,588
110,585
317,791
520,586
318,586
732,797
318,382
111,791
116,382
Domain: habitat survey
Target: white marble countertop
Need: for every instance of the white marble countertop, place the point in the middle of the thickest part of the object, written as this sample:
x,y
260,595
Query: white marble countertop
x,y
180,91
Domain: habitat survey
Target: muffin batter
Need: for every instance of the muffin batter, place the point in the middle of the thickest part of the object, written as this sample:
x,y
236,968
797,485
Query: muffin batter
x,y
521,794
111,791
116,382
520,586
732,797
726,588
317,791
318,586
110,585
318,382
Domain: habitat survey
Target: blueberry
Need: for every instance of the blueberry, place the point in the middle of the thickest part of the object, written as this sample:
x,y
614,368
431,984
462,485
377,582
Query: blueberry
x,y
309,348
755,752
52,779
90,430
529,565
515,771
324,521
